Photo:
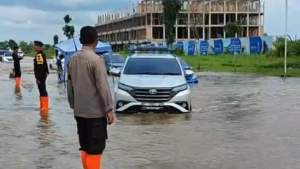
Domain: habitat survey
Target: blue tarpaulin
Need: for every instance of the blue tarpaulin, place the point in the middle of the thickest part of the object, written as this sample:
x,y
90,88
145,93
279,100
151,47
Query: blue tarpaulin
x,y
218,47
69,47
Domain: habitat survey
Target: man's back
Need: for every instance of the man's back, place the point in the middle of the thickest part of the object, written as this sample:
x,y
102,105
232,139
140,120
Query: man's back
x,y
92,97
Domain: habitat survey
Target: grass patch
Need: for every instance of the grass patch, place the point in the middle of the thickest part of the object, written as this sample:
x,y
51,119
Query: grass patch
x,y
250,64
256,64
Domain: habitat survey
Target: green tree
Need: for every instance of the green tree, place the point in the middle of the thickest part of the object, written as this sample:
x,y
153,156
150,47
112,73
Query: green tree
x,y
170,11
26,47
4,45
233,28
68,29
55,39
12,43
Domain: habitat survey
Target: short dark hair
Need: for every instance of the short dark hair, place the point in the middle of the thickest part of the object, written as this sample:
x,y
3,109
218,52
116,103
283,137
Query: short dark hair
x,y
38,43
88,35
15,47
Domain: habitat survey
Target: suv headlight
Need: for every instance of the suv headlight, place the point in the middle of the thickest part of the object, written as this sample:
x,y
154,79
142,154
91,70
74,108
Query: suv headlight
x,y
125,87
180,88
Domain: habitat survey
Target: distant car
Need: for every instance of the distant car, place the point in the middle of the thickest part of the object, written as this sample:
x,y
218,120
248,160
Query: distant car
x,y
189,73
6,56
114,63
152,82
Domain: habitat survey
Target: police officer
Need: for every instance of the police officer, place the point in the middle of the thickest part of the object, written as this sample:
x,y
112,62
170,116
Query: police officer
x,y
17,67
90,97
41,72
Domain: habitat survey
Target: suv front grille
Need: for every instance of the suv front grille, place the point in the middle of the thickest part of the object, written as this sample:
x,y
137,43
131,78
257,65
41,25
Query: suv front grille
x,y
152,95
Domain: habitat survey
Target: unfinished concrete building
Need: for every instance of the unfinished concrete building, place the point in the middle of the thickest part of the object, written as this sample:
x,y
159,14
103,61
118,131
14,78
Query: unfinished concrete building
x,y
198,19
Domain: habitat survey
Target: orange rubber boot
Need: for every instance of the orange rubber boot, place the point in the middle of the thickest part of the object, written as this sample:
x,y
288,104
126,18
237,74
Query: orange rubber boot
x,y
93,161
18,82
83,155
44,103
41,103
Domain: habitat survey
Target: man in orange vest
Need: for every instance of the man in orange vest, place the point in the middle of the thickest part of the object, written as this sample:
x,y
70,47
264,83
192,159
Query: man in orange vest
x,y
41,72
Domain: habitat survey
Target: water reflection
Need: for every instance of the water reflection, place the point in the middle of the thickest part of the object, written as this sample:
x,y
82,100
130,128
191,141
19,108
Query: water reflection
x,y
45,138
153,119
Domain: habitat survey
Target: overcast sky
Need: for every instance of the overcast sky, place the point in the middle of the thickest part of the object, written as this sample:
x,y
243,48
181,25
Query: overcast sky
x,y
40,19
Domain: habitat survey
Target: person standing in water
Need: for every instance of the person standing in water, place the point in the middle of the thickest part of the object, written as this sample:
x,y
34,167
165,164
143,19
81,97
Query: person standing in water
x,y
41,72
17,67
90,97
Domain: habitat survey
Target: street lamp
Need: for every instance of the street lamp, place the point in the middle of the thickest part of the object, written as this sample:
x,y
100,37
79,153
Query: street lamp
x,y
286,38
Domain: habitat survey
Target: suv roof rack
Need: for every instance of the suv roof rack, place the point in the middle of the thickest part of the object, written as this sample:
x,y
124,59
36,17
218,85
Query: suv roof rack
x,y
151,49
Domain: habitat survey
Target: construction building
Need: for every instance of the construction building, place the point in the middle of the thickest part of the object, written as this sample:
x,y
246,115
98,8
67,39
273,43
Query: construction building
x,y
197,19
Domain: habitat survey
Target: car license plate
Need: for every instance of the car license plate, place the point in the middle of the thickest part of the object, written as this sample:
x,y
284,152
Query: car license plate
x,y
152,106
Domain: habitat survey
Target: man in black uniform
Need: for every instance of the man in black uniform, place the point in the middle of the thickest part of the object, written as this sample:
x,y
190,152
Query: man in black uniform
x,y
41,72
17,67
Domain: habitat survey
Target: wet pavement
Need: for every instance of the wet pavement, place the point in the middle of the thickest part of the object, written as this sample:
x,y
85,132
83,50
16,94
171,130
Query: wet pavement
x,y
238,122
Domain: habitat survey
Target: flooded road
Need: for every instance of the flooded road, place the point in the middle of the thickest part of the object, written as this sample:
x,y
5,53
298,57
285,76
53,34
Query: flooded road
x,y
238,122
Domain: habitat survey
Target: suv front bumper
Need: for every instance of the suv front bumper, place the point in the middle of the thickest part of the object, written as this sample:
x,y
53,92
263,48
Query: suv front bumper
x,y
125,102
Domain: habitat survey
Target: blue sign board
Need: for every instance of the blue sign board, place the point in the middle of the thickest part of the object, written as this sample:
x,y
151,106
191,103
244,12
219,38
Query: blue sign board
x,y
218,47
235,46
179,46
204,47
191,48
256,45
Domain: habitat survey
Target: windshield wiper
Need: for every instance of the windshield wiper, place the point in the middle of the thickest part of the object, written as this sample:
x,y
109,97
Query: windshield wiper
x,y
146,73
175,74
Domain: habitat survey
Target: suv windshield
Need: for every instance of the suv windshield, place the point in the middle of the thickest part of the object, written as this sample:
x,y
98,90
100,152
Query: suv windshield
x,y
152,66
117,59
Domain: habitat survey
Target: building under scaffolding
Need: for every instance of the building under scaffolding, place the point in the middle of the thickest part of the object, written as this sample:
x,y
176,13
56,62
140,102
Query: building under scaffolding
x,y
198,19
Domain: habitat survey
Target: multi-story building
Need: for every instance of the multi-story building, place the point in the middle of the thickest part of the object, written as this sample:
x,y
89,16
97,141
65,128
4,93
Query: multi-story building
x,y
197,19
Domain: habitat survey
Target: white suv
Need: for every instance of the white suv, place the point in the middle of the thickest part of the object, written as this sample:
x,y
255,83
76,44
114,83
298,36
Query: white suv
x,y
6,56
153,82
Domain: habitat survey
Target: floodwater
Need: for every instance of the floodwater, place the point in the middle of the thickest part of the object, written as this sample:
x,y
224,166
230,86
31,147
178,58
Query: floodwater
x,y
238,122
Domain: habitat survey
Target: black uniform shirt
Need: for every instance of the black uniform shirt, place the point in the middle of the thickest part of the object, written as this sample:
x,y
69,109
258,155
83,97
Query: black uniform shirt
x,y
16,59
40,66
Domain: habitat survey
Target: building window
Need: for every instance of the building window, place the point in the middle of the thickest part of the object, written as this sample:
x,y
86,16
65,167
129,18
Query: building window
x,y
196,33
196,19
217,19
182,33
182,19
217,32
230,18
253,19
242,19
157,19
158,32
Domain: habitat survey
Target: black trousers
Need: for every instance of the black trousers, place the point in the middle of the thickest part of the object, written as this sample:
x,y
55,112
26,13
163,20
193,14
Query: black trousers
x,y
17,68
92,134
41,83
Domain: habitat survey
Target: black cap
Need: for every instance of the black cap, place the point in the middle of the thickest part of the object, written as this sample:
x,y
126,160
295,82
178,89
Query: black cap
x,y
88,35
38,43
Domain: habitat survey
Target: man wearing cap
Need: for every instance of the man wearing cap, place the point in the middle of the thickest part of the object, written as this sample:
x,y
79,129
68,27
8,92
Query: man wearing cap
x,y
90,97
41,72
17,67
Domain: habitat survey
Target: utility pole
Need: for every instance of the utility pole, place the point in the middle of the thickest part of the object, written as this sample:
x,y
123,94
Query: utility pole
x,y
286,38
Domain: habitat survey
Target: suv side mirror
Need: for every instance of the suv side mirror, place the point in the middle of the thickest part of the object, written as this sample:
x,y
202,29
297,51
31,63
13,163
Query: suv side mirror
x,y
115,72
